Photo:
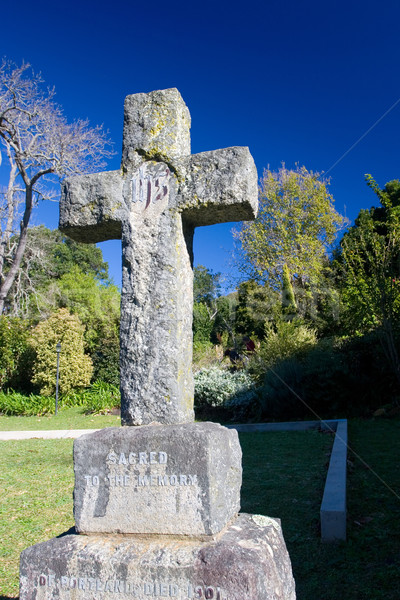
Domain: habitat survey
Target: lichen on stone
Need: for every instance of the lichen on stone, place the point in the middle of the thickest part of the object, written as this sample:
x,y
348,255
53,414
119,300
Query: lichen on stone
x,y
263,521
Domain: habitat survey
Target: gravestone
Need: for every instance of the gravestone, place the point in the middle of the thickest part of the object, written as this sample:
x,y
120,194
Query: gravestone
x,y
153,203
156,504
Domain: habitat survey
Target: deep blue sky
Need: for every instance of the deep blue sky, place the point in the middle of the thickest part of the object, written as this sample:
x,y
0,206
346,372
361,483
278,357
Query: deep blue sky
x,y
298,82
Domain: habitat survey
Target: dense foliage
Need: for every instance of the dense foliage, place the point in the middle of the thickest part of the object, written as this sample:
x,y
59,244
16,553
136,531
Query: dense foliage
x,y
99,398
15,353
75,366
295,226
63,290
284,347
217,387
370,261
318,332
233,394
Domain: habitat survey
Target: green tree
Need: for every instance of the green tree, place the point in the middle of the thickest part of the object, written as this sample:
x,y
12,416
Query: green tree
x,y
97,306
203,322
206,285
68,253
48,256
295,228
57,272
369,262
257,305
288,300
224,330
106,361
206,289
75,366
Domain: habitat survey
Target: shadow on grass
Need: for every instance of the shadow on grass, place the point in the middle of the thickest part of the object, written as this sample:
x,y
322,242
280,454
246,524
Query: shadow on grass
x,y
70,531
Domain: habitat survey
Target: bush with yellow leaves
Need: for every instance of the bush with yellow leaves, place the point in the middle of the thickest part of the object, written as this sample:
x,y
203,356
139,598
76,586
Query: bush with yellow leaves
x,y
75,366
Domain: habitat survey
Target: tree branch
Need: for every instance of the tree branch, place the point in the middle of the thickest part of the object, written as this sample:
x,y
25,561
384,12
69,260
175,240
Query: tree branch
x,y
39,142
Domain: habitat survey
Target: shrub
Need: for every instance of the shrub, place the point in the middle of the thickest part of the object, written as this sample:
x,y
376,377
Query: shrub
x,y
244,406
15,353
283,391
202,322
205,355
13,403
106,362
337,378
288,339
350,376
101,397
75,366
216,387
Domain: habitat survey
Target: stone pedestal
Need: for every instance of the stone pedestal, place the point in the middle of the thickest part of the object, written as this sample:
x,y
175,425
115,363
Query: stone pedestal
x,y
156,512
246,561
162,479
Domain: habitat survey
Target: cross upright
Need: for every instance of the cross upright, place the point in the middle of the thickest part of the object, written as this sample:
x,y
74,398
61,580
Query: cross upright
x,y
153,203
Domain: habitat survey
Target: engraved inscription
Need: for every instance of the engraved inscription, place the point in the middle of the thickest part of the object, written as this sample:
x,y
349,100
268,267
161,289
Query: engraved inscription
x,y
150,186
138,590
137,479
143,480
141,458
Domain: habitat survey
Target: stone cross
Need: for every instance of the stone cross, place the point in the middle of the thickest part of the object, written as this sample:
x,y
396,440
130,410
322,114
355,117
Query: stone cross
x,y
153,203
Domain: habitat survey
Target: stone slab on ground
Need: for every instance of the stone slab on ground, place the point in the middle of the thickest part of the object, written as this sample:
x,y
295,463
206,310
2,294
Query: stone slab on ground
x,y
333,507
247,561
157,479
323,425
333,511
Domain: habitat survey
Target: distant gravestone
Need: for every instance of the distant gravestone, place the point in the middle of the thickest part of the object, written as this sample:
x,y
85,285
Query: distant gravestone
x,y
156,506
153,203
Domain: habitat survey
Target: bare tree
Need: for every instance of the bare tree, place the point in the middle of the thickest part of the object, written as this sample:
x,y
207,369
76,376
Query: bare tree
x,y
40,146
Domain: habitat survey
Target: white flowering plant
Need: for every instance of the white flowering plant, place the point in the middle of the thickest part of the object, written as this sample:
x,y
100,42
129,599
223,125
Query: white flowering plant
x,y
221,388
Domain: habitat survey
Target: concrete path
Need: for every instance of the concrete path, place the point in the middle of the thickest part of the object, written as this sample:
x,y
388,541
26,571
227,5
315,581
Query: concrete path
x,y
47,435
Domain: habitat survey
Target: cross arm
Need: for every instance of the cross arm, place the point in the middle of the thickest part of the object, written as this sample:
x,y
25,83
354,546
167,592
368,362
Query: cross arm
x,y
218,187
92,207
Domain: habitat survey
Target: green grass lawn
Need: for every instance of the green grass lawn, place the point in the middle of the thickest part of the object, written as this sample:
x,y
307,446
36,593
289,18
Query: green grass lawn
x,y
283,477
36,482
67,418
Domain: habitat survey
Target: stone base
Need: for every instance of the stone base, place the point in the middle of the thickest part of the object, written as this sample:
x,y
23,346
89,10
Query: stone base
x,y
157,479
246,561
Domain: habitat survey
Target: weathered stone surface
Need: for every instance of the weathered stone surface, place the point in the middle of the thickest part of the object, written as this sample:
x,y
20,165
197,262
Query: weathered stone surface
x,y
94,220
159,479
217,187
153,204
248,561
156,125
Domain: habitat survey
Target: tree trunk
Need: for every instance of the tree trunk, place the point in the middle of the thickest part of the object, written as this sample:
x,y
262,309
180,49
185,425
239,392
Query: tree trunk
x,y
9,279
11,210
